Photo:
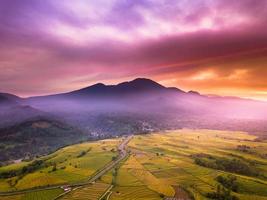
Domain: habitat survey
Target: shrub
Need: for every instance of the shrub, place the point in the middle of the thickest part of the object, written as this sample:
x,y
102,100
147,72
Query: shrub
x,y
54,168
221,194
83,153
228,182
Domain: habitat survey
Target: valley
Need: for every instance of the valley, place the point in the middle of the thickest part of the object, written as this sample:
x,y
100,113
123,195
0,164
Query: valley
x,y
36,126
133,100
191,164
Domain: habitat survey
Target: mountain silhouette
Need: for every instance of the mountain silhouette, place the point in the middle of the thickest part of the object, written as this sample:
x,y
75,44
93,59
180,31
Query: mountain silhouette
x,y
134,87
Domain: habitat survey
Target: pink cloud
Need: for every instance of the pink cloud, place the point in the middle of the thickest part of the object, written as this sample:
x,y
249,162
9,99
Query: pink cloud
x,y
49,47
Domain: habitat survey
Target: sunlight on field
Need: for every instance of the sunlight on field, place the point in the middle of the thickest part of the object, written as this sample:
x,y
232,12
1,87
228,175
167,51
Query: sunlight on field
x,y
90,192
169,157
148,179
39,195
181,164
13,197
42,195
136,192
37,179
72,164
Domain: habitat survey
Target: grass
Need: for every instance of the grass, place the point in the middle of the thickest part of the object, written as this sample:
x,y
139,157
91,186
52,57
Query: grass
x,y
38,195
159,164
107,178
168,157
38,179
13,166
14,197
70,166
133,181
90,192
135,192
42,195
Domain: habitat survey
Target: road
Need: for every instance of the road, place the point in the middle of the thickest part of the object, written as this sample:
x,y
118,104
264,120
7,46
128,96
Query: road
x,y
122,155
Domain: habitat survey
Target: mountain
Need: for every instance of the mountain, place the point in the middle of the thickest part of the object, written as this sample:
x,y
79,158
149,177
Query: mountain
x,y
135,105
133,87
125,89
147,96
137,95
144,98
15,113
14,110
102,111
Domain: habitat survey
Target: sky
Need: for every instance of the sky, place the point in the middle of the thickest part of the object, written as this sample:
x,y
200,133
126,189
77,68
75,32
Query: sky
x,y
211,46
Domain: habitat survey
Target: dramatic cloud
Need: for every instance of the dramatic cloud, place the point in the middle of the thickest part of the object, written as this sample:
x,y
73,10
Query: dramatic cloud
x,y
213,46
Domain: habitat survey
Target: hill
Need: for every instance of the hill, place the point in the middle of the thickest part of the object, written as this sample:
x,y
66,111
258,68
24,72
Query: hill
x,y
8,99
36,137
15,113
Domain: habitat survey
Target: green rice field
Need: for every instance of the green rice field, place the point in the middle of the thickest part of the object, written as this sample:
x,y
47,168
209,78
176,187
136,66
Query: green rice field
x,y
66,166
188,164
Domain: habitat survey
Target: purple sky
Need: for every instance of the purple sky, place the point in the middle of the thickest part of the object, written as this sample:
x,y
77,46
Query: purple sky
x,y
213,46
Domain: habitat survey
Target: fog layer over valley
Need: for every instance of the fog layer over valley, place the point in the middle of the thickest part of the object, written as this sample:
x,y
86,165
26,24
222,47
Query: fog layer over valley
x,y
134,107
146,101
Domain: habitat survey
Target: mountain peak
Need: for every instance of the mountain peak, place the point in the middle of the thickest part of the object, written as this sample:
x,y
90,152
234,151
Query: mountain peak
x,y
98,85
192,92
141,83
128,87
147,80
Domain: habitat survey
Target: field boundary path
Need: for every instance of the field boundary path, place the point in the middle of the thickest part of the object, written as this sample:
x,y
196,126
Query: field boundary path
x,y
106,193
122,155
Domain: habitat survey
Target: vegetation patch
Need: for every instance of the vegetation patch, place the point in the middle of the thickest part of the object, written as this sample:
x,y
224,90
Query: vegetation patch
x,y
225,164
229,182
223,172
83,153
66,166
42,195
221,194
35,165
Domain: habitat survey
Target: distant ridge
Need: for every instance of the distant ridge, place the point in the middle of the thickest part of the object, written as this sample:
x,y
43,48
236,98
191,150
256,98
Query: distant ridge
x,y
141,83
8,98
133,106
136,85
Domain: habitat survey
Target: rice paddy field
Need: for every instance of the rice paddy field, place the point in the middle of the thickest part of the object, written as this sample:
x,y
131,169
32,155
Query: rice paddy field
x,y
90,192
72,164
39,195
185,164
163,165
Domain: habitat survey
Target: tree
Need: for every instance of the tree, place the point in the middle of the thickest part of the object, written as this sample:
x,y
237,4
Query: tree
x,y
54,167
